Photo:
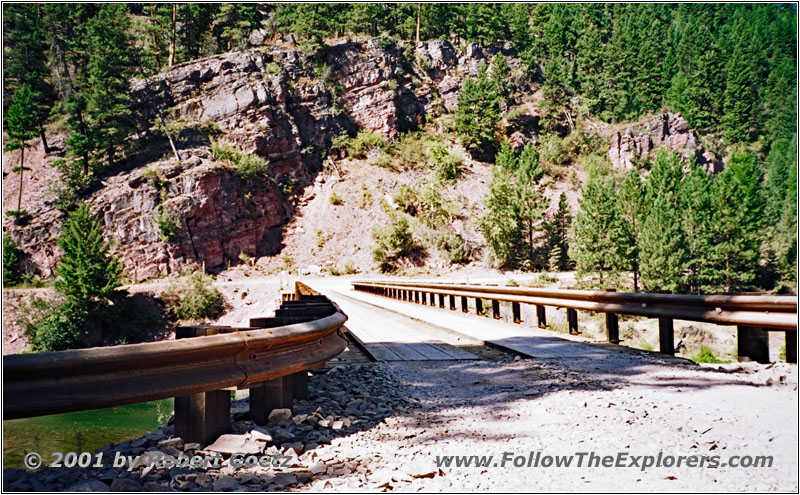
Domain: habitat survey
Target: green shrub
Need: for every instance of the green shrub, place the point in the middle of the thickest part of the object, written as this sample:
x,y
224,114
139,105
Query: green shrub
x,y
62,329
407,199
153,176
366,197
11,261
168,222
364,142
706,355
335,199
453,248
391,242
193,297
350,267
244,165
553,151
447,166
272,68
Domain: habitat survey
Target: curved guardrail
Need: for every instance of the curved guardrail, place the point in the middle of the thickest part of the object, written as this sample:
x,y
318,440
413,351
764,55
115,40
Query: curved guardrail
x,y
56,382
752,314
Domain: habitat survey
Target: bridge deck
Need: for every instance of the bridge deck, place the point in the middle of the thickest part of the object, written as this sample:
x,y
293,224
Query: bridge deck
x,y
532,342
392,339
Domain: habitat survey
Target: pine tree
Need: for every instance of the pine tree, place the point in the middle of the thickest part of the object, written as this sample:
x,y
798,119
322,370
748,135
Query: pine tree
x,y
107,80
11,258
558,228
25,59
235,21
737,204
662,248
631,207
665,177
22,124
478,113
695,214
88,275
498,76
738,105
194,23
594,241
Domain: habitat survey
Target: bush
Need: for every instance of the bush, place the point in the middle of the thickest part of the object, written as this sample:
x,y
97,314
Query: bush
x,y
391,242
167,220
244,165
446,166
335,199
453,248
364,142
706,355
366,197
407,199
553,151
193,298
350,267
11,261
62,329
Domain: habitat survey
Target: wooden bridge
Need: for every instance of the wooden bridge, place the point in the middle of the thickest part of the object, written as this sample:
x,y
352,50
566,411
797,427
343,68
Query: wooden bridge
x,y
271,357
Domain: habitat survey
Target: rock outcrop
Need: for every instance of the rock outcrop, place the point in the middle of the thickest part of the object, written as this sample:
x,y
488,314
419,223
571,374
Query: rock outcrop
x,y
642,141
272,102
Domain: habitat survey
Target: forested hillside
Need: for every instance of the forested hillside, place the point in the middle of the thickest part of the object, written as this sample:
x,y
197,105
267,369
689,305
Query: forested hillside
x,y
534,91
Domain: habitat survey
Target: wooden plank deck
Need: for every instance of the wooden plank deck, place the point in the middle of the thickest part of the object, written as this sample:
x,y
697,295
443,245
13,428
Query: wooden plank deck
x,y
394,339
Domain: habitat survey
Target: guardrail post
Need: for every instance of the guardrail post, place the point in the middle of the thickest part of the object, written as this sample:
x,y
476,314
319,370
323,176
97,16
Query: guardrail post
x,y
441,300
495,309
612,328
424,298
416,297
269,395
516,312
541,316
666,336
791,347
465,305
300,385
478,306
753,344
572,321
202,418
452,303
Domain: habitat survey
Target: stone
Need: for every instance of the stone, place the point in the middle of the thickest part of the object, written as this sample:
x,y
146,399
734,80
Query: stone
x,y
337,425
192,446
422,468
318,468
278,415
125,485
283,480
176,443
280,436
260,435
88,486
229,444
225,484
297,447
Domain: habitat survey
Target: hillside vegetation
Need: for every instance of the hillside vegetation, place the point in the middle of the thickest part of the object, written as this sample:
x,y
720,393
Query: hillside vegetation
x,y
647,146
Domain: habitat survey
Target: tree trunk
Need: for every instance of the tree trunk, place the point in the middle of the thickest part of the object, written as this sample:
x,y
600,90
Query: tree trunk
x,y
172,35
419,16
44,140
21,171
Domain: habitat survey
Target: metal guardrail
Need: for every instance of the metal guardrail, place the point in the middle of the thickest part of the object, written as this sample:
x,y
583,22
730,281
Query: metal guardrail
x,y
753,315
81,379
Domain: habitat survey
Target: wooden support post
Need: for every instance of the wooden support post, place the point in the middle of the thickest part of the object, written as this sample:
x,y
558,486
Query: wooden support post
x,y
791,347
516,312
666,336
464,305
572,321
441,300
478,306
612,328
202,418
495,309
416,296
269,395
753,344
300,385
541,316
452,303
424,298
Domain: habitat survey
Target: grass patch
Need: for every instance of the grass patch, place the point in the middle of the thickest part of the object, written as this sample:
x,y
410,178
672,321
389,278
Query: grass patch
x,y
706,355
243,165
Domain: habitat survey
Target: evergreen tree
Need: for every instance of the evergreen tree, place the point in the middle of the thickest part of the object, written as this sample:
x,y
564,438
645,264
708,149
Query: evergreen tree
x,y
737,204
558,228
478,113
108,73
595,239
498,76
738,105
25,59
632,216
695,215
662,248
194,24
235,21
88,275
665,177
22,124
11,258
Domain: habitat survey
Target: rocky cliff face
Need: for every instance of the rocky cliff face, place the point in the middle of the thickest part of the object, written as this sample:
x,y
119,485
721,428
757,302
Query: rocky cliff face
x,y
272,102
671,131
